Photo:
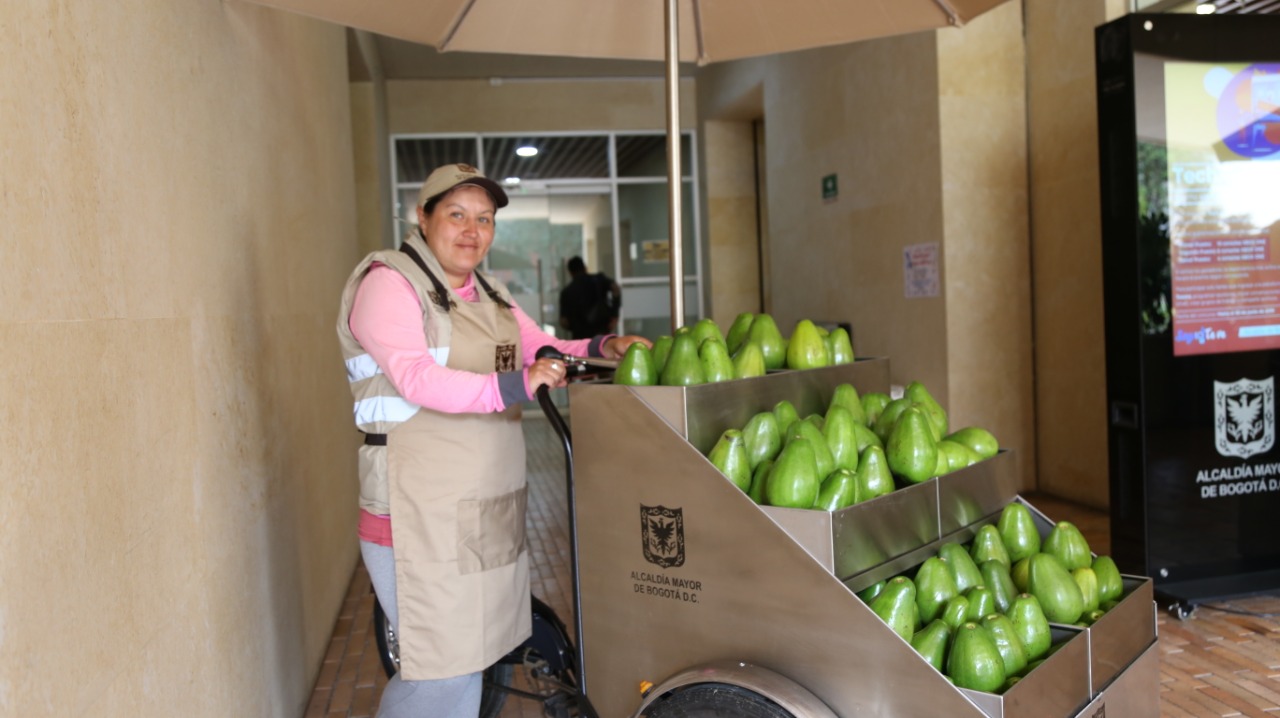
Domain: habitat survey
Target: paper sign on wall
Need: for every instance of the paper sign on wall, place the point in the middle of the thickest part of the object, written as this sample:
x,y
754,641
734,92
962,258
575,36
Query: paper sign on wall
x,y
920,270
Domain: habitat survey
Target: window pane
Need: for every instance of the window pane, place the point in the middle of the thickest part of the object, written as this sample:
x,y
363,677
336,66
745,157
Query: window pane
x,y
643,224
416,157
646,155
557,157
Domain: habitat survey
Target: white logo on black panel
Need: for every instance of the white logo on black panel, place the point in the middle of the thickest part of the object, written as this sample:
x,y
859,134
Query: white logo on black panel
x,y
1244,417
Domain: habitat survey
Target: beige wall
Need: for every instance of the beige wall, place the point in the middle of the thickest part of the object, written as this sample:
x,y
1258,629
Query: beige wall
x,y
177,509
1066,246
926,134
987,260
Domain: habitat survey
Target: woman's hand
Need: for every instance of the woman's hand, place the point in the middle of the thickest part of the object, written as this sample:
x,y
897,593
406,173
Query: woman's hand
x,y
546,371
615,347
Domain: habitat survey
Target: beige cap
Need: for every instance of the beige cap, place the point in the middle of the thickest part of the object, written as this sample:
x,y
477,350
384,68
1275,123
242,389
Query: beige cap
x,y
447,177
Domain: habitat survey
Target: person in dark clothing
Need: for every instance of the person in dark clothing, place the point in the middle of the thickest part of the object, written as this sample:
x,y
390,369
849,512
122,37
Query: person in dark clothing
x,y
589,304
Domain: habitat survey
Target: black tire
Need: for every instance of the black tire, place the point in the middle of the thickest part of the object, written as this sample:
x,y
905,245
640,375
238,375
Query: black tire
x,y
715,700
497,676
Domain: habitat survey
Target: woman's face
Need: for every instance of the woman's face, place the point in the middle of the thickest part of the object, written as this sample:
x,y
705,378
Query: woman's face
x,y
459,230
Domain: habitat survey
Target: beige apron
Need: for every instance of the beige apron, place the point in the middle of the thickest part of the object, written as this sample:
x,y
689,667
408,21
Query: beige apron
x,y
457,515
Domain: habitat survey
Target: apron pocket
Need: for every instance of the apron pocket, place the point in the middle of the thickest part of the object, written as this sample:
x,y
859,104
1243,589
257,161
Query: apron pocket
x,y
491,531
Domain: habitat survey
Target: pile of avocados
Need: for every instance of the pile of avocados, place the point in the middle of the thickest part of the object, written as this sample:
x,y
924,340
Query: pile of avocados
x,y
701,354
851,454
980,613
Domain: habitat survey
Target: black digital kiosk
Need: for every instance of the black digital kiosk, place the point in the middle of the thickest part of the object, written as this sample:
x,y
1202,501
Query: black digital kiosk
x,y
1189,137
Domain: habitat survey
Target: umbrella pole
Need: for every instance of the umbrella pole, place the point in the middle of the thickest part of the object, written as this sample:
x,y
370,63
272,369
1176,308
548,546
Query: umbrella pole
x,y
674,182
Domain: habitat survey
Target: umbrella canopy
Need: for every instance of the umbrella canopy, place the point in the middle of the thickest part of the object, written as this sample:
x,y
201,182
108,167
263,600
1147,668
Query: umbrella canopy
x,y
710,30
676,31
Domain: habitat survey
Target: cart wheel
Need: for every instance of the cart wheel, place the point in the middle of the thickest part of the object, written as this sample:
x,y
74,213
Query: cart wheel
x,y
1182,611
715,700
496,677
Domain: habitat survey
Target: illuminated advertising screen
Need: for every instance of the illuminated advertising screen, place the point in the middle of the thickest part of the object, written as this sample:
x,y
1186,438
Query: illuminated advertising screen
x,y
1223,139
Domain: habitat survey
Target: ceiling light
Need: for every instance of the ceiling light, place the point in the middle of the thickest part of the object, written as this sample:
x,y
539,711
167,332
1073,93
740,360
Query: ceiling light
x,y
511,180
527,151
1206,8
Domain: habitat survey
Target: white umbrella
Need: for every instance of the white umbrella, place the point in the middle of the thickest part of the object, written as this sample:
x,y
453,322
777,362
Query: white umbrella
x,y
703,30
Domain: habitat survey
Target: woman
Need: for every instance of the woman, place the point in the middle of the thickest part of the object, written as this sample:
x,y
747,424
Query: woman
x,y
439,358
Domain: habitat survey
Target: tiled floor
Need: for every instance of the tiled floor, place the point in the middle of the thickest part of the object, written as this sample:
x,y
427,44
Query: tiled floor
x,y
1215,664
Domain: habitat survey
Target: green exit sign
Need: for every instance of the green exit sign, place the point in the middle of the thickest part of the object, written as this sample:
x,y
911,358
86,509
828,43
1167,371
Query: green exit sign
x,y
829,188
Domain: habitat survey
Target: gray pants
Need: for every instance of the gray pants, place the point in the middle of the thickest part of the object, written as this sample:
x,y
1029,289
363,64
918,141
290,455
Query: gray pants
x,y
457,697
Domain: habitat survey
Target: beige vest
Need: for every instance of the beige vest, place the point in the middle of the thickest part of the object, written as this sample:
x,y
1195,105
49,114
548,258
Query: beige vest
x,y
456,491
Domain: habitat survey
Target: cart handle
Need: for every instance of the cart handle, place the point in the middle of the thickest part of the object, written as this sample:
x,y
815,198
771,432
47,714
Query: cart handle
x,y
566,440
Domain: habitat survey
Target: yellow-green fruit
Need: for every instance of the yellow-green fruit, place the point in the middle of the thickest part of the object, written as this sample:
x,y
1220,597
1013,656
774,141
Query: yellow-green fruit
x,y
873,474
716,364
1087,580
1054,588
847,396
841,436
1110,585
705,329
637,367
920,396
759,478
730,456
840,347
838,490
748,361
873,403
661,349
911,451
976,438
683,367
793,481
1068,545
974,661
764,332
805,349
762,438
738,331
1018,531
988,546
787,415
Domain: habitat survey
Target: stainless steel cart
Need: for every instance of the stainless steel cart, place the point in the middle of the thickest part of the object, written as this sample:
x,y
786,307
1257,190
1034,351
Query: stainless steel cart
x,y
684,581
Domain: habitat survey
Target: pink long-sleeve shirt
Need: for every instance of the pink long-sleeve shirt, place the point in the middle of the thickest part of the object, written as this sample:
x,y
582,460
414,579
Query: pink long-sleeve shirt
x,y
386,319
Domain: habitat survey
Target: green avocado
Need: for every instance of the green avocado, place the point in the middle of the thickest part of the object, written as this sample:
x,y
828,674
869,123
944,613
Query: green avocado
x,y
870,592
1007,642
888,418
974,661
1018,531
738,331
683,368
794,481
806,349
821,452
1087,580
764,332
873,474
981,603
931,643
762,437
759,477
1053,587
934,587
976,438
661,350
1110,585
847,396
840,347
988,546
956,611
962,566
705,329
787,415
911,450
838,490
1067,544
637,367
896,606
730,456
842,437
920,396
995,576
1031,625
748,361
873,403
716,364
1019,573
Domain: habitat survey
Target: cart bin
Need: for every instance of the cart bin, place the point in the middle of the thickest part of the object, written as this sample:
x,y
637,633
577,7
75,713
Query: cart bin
x,y
1132,694
1124,632
865,535
1057,687
975,492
